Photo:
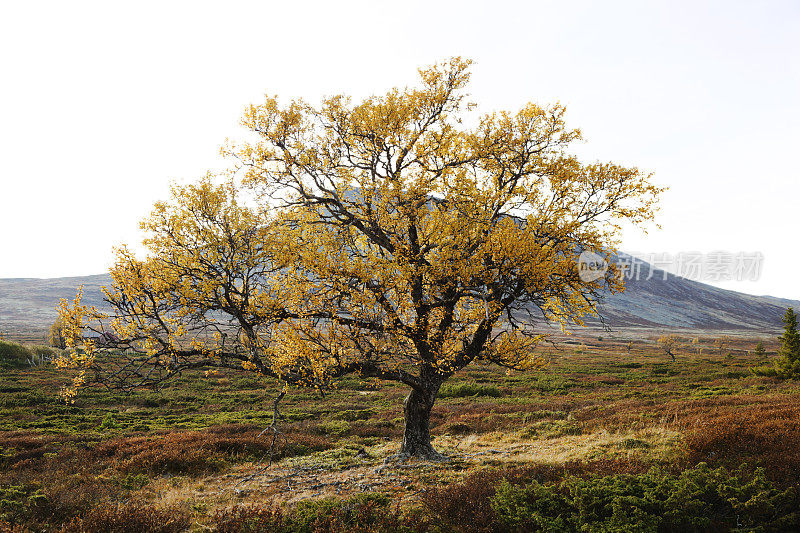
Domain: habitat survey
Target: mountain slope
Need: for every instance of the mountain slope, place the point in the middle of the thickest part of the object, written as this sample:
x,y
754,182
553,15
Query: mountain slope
x,y
676,302
28,306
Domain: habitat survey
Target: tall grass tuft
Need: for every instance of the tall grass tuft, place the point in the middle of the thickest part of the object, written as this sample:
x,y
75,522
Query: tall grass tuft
x,y
13,354
465,389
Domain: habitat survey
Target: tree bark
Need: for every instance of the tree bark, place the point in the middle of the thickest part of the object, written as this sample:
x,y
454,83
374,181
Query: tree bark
x,y
417,436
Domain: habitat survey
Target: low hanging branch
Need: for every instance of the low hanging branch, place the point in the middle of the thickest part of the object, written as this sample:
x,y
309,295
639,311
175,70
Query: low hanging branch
x,y
277,435
273,427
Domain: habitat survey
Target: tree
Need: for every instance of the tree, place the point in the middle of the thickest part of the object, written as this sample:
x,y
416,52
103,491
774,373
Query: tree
x,y
759,349
790,340
56,336
722,343
669,344
788,365
696,344
384,238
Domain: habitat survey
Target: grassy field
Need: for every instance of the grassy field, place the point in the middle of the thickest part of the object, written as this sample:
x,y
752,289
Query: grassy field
x,y
611,436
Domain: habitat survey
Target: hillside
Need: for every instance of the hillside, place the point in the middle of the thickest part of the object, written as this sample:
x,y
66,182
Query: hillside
x,y
671,301
28,305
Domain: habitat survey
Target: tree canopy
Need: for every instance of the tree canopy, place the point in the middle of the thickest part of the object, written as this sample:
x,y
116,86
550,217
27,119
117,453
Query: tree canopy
x,y
400,237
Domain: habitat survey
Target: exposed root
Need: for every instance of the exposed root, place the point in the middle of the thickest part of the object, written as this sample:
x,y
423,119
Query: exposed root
x,y
422,453
432,456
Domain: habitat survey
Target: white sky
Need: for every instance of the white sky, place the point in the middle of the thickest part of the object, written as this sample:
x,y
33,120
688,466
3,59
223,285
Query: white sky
x,y
102,104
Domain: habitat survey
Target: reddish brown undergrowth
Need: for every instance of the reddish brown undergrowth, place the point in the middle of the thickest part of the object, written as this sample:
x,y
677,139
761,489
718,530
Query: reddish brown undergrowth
x,y
74,474
762,432
198,452
130,518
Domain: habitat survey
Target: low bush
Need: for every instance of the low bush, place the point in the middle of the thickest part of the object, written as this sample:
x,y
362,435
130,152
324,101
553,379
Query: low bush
x,y
699,499
13,354
18,503
579,497
248,519
466,506
550,383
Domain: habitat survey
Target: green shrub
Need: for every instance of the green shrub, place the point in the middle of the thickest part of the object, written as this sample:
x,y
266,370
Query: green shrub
x,y
310,512
109,422
336,428
134,481
18,502
551,429
769,370
698,499
465,389
13,354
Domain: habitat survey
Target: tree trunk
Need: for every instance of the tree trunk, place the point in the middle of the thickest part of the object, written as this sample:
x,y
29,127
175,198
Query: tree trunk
x,y
417,437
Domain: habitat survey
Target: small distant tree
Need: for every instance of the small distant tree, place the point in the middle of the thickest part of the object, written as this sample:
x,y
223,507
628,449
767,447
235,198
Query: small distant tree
x,y
790,340
721,343
56,337
669,344
696,344
759,350
788,364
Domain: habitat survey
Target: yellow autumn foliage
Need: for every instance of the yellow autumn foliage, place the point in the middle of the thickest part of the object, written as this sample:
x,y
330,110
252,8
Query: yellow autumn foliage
x,y
384,237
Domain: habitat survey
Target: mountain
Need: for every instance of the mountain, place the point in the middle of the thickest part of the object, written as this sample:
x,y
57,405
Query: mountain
x,y
28,306
658,299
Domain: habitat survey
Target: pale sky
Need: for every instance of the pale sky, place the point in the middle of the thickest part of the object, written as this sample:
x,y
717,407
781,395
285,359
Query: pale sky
x,y
102,105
